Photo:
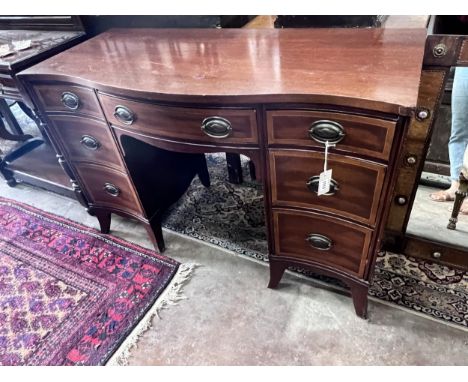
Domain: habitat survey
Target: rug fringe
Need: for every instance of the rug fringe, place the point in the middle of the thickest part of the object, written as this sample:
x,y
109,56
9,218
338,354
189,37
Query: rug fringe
x,y
170,296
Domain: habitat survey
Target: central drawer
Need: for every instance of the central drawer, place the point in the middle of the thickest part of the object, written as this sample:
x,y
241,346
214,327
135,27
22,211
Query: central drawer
x,y
223,126
318,238
357,183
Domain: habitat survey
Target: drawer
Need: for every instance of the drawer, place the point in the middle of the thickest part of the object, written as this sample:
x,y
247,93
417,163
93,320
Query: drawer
x,y
318,238
356,134
224,126
358,183
109,188
86,140
71,98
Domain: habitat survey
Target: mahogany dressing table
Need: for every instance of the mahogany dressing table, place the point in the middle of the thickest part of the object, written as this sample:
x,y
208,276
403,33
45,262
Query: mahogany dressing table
x,y
132,112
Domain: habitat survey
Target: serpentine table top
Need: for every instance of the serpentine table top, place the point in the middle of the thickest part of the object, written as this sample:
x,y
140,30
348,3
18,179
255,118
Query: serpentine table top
x,y
378,69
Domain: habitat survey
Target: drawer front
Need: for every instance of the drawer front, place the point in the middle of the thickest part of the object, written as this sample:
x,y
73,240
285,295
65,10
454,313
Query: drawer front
x,y
315,237
70,98
223,126
109,188
87,140
356,134
357,183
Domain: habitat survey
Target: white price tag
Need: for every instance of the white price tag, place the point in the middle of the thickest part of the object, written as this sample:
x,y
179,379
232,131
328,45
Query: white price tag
x,y
324,182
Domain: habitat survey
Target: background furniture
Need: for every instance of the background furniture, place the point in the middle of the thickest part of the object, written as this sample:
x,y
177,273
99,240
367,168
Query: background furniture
x,y
33,162
275,96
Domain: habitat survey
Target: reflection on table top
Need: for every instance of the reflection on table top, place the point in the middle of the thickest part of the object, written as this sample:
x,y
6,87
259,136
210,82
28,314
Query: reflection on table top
x,y
378,65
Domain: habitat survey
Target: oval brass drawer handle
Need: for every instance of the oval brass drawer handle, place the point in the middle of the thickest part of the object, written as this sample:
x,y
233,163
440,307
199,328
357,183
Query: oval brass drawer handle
x,y
319,242
90,142
324,130
111,189
124,114
70,100
216,127
313,184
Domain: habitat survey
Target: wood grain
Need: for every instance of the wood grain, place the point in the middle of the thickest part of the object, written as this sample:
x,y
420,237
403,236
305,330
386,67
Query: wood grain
x,y
364,135
94,177
71,129
350,241
360,183
50,96
368,68
183,123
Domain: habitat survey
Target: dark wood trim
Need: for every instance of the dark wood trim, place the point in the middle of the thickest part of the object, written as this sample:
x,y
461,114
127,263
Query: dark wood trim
x,y
416,144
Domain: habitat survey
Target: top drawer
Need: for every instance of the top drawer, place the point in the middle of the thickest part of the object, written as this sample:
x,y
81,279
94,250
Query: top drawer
x,y
183,123
353,133
69,98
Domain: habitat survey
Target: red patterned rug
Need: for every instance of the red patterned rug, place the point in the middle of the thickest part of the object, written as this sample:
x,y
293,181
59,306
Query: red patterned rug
x,y
72,296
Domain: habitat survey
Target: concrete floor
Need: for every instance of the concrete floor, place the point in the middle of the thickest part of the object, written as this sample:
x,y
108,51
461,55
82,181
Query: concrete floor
x,y
429,219
231,318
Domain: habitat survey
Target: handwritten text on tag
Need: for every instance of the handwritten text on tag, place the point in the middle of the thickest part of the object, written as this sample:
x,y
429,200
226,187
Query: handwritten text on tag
x,y
324,182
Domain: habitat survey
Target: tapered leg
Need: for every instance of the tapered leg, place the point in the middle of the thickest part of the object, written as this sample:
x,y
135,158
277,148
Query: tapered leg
x,y
35,118
253,174
234,168
9,117
155,233
104,219
276,273
26,110
8,175
359,295
5,134
203,173
460,196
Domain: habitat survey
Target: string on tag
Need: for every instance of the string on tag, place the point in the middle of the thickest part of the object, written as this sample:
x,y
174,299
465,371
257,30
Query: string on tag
x,y
325,163
325,176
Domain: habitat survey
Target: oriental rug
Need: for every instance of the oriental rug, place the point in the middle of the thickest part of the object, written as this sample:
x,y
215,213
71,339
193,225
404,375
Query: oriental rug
x,y
72,296
232,217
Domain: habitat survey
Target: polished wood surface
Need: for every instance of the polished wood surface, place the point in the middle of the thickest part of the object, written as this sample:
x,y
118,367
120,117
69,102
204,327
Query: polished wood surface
x,y
367,68
360,183
350,242
158,89
95,177
72,130
50,95
364,135
43,44
182,123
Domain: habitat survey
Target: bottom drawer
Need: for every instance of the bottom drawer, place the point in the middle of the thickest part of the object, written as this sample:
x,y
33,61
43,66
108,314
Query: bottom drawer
x,y
314,237
109,188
